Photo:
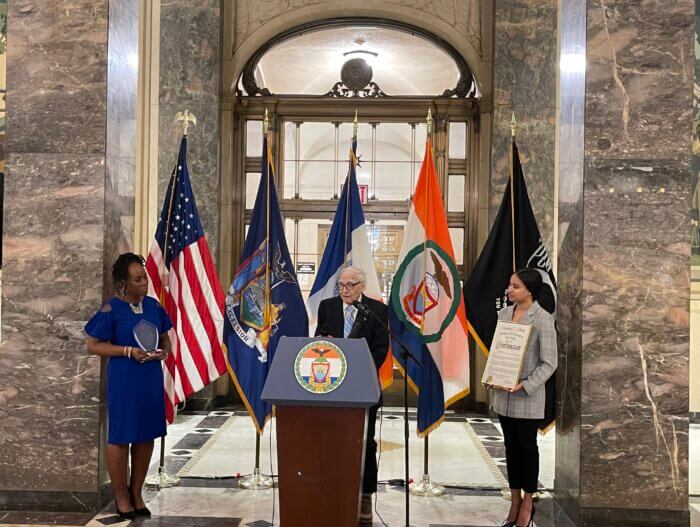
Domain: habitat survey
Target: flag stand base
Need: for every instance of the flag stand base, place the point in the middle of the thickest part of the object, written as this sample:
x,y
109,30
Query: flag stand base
x,y
162,480
256,481
426,488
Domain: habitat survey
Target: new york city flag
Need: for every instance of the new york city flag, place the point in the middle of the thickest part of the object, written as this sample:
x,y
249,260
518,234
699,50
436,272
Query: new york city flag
x,y
426,310
264,301
348,244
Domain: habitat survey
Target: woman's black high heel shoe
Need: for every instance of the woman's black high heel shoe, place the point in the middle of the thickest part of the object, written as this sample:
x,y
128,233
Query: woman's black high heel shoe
x,y
131,515
143,512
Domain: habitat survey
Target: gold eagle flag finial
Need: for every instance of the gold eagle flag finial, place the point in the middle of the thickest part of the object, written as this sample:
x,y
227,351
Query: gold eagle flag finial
x,y
185,118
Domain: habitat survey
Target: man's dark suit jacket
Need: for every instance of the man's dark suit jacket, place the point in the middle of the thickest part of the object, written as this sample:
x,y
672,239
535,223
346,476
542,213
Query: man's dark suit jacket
x,y
331,319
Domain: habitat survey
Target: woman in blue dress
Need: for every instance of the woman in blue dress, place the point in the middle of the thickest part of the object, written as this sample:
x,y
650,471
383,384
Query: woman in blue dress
x,y
135,398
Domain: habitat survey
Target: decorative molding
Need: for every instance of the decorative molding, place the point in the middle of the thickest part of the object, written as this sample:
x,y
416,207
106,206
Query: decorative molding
x,y
340,89
463,15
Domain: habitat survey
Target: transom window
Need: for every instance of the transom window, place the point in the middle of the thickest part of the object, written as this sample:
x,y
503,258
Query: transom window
x,y
357,58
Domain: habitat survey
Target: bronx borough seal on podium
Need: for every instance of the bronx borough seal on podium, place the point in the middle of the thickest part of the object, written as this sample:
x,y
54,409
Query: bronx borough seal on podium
x,y
320,367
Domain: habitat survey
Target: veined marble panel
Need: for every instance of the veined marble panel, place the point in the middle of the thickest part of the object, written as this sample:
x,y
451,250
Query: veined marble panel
x,y
56,75
54,213
189,79
635,332
639,79
53,252
52,277
695,236
524,77
526,44
536,142
634,418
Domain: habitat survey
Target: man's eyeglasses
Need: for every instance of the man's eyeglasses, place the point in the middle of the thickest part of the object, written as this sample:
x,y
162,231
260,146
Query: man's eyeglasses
x,y
347,285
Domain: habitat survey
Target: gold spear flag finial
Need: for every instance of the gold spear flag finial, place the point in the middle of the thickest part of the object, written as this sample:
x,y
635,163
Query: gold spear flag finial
x,y
186,118
429,121
513,126
354,126
266,123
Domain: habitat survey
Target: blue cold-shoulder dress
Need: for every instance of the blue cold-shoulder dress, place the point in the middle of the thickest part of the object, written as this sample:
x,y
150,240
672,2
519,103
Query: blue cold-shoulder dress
x,y
135,398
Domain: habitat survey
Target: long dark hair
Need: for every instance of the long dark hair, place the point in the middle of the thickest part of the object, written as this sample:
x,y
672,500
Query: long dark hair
x,y
532,280
120,270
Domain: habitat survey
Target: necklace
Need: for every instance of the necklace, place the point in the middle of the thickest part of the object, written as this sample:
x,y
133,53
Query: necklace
x,y
137,308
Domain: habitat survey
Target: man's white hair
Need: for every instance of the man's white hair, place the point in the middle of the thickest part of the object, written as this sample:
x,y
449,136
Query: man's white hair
x,y
352,269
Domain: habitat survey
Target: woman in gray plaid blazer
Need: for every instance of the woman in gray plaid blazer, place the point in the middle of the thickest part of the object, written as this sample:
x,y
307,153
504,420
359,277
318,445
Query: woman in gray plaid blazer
x,y
521,409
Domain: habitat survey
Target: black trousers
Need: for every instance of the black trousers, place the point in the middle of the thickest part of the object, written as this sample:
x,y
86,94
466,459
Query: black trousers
x,y
369,479
522,455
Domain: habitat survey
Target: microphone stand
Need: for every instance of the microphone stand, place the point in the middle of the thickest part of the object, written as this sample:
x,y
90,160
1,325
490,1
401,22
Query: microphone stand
x,y
405,355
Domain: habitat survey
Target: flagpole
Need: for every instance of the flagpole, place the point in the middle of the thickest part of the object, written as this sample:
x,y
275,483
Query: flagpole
x,y
347,189
257,480
425,487
513,126
162,479
505,493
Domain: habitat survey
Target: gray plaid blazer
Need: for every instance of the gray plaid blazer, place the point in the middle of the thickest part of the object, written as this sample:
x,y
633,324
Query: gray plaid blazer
x,y
539,364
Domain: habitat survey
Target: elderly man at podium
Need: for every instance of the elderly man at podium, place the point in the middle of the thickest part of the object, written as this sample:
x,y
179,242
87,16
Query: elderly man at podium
x,y
339,317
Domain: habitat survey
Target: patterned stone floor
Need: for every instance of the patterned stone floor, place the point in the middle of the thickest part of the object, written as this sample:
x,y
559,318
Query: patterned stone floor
x,y
205,502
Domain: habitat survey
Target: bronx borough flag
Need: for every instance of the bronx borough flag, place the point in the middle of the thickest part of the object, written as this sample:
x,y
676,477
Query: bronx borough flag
x,y
348,244
515,229
183,278
264,301
426,311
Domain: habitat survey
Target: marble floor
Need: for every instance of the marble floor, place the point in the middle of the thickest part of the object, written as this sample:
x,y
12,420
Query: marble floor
x,y
210,450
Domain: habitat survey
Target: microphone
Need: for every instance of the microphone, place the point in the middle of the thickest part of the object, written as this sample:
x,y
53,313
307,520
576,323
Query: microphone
x,y
363,312
360,306
367,312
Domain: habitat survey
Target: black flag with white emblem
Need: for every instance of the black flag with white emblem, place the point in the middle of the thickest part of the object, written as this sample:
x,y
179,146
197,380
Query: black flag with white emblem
x,y
485,289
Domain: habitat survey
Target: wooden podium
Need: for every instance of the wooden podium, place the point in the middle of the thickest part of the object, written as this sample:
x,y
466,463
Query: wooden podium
x,y
321,435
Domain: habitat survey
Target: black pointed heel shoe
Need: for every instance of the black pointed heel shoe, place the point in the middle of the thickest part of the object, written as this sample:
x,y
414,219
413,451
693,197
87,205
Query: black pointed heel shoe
x,y
130,515
144,513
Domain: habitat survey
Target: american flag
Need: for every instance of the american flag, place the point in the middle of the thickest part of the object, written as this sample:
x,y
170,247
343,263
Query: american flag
x,y
183,278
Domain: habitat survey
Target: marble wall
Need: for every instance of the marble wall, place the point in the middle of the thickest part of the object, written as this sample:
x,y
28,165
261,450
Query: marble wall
x,y
54,249
524,82
695,235
622,444
190,63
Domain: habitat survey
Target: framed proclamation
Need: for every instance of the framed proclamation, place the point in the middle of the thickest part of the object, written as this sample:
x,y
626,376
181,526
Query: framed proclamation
x,y
508,349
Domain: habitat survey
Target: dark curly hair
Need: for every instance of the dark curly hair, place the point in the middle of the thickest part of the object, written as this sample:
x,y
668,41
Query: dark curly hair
x,y
120,270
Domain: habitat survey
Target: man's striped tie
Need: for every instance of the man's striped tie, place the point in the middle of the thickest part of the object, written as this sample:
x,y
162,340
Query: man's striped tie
x,y
349,321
